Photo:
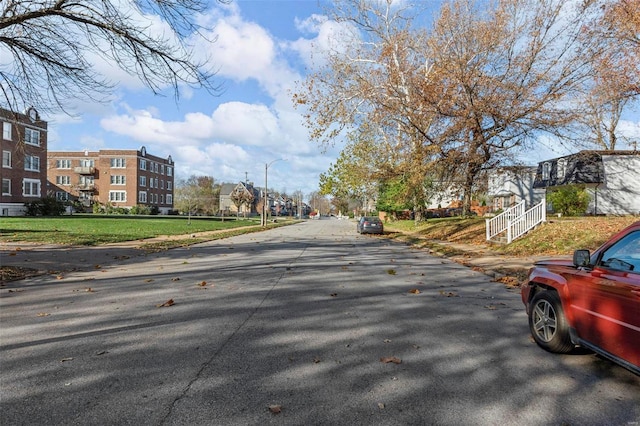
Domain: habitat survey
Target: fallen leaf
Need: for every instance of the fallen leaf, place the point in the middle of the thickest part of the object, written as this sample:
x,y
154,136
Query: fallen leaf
x,y
102,352
414,291
168,303
448,293
148,280
66,359
43,314
381,405
333,294
316,360
391,271
202,284
275,409
175,279
390,359
490,307
97,266
59,277
387,340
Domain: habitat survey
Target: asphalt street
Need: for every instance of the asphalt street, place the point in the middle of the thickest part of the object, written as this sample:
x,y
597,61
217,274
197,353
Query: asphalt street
x,y
310,324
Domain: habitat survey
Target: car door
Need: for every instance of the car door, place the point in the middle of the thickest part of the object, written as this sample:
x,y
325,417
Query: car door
x,y
605,300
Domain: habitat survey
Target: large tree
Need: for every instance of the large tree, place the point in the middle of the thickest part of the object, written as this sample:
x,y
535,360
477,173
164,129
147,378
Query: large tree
x,y
49,47
484,83
616,87
359,93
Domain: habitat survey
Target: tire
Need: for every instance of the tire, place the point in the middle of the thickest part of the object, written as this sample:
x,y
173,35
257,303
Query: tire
x,y
548,324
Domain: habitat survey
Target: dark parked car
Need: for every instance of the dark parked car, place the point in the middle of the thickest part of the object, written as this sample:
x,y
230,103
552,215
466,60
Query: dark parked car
x,y
370,225
592,301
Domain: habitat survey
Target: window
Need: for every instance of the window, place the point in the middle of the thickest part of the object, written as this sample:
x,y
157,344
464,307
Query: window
x,y
562,168
142,196
161,169
161,183
118,163
86,181
155,167
624,255
31,137
118,180
32,163
90,163
6,131
161,198
150,182
6,159
169,171
30,187
6,186
63,164
143,181
546,171
118,196
155,198
62,196
169,199
169,185
63,180
143,164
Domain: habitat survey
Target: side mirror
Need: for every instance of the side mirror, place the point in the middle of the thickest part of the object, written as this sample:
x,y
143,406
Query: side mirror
x,y
581,258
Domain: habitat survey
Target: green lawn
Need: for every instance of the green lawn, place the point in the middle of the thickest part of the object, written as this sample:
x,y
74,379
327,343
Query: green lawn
x,y
94,230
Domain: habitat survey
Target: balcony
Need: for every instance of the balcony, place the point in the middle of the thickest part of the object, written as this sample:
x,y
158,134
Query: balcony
x,y
85,187
84,170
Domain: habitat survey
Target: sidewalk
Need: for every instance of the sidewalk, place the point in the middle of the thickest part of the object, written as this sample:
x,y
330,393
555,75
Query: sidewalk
x,y
510,270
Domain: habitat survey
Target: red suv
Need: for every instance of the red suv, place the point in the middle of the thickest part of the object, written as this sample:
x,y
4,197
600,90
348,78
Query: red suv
x,y
593,301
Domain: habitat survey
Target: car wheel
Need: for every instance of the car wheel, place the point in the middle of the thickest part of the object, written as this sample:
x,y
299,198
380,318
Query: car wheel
x,y
548,324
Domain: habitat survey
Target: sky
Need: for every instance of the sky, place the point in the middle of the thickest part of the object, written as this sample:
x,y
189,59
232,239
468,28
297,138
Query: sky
x,y
262,52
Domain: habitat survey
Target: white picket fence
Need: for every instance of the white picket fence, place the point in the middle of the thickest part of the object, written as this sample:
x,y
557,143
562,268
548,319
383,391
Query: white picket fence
x,y
515,221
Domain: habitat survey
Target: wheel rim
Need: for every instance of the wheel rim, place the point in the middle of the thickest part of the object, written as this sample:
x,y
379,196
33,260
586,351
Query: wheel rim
x,y
545,321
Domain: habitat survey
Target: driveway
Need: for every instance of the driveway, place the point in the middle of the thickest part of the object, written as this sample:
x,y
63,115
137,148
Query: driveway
x,y
305,324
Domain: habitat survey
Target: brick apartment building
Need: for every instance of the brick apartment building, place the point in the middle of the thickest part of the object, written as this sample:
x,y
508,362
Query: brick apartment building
x,y
124,178
24,151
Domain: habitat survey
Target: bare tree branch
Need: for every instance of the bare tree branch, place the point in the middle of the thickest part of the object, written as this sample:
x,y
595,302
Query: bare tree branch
x,y
48,47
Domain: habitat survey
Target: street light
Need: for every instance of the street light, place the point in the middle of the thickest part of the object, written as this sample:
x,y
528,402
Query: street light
x,y
266,196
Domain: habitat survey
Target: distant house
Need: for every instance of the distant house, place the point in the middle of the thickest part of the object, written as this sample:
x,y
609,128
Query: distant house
x,y
507,186
241,189
612,179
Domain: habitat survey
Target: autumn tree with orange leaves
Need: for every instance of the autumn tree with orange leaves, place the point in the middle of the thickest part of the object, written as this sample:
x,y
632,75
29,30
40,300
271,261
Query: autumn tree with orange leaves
x,y
471,94
615,33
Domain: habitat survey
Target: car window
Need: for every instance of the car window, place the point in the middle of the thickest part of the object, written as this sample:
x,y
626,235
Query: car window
x,y
624,255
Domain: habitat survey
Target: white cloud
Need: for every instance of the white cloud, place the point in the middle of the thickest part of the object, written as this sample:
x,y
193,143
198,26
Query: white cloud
x,y
242,50
147,126
330,36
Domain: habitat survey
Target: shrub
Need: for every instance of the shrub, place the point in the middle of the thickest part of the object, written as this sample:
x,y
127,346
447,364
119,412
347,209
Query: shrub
x,y
47,206
569,200
138,209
